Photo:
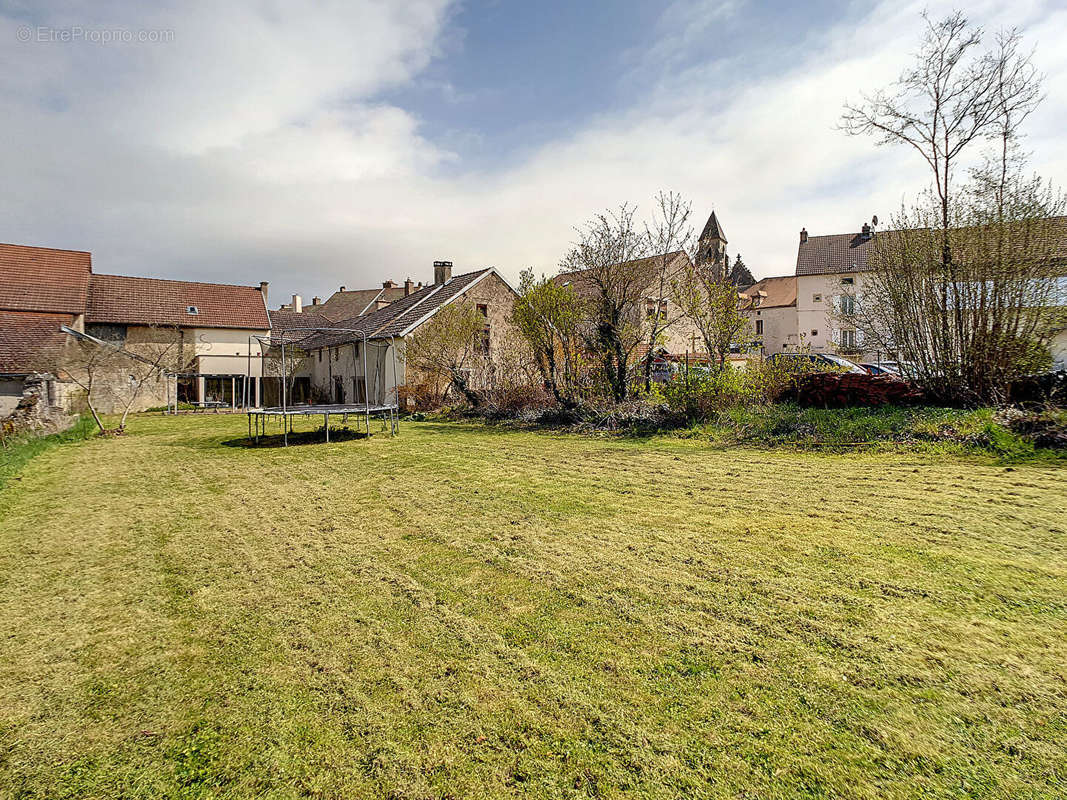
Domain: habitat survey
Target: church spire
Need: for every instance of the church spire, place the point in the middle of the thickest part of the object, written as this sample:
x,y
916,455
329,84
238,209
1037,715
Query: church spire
x,y
712,244
713,230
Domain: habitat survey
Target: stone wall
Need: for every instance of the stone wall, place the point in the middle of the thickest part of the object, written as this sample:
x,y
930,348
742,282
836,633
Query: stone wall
x,y
36,411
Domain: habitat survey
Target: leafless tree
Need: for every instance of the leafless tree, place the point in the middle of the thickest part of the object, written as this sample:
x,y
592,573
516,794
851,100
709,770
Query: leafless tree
x,y
669,237
952,98
613,273
549,315
450,346
120,370
710,301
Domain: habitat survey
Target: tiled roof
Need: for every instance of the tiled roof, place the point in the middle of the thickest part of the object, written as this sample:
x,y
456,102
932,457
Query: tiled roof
x,y
577,278
781,292
848,252
348,304
29,340
839,252
153,301
395,318
43,279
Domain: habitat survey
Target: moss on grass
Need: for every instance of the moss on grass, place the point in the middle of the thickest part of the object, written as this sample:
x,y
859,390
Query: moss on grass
x,y
469,611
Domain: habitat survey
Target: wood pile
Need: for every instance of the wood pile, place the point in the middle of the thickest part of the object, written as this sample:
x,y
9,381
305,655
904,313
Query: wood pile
x,y
843,389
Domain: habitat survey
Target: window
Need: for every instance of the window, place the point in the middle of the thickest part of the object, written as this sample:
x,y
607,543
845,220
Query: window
x,y
192,310
484,343
320,356
816,298
847,281
759,327
848,338
483,309
848,305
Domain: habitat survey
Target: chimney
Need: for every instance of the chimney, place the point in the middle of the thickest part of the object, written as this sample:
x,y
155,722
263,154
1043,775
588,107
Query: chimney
x,y
865,231
263,286
442,272
341,289
803,235
298,303
408,286
388,284
316,301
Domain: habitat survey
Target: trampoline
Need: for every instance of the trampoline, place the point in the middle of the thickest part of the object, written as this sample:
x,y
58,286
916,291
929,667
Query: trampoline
x,y
385,403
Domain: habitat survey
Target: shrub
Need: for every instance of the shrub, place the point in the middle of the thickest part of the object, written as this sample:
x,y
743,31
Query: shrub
x,y
700,393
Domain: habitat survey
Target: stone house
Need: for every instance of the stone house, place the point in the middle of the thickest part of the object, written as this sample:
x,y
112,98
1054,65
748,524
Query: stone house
x,y
41,289
211,326
208,326
336,369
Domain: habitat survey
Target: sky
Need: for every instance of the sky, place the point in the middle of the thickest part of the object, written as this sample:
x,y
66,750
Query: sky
x,y
315,145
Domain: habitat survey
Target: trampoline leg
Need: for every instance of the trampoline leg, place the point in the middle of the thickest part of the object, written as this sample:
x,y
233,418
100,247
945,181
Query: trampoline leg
x,y
326,417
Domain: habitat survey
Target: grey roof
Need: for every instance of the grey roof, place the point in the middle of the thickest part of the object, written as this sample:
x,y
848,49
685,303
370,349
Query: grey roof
x,y
848,252
395,318
713,230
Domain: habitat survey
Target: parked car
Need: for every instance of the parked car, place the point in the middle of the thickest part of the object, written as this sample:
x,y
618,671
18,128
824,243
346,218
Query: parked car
x,y
809,362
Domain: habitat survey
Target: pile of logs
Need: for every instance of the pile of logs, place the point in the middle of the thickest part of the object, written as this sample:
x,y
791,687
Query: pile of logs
x,y
842,389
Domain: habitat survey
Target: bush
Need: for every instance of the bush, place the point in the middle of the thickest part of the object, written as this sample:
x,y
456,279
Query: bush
x,y
700,393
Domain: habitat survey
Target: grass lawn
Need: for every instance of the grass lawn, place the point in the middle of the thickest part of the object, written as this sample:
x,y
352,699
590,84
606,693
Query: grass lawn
x,y
465,612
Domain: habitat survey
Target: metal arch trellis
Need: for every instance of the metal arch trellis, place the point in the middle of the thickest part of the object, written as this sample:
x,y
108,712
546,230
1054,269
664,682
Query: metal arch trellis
x,y
257,417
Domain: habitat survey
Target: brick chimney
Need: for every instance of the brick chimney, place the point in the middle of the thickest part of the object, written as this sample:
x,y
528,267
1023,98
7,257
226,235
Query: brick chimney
x,y
388,284
442,272
298,303
341,289
803,235
865,231
263,286
408,286
316,301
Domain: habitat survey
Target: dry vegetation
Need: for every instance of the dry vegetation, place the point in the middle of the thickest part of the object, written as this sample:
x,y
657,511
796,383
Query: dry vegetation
x,y
464,612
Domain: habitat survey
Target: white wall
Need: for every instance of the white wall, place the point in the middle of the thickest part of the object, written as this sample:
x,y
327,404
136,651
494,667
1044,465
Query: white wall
x,y
779,328
224,351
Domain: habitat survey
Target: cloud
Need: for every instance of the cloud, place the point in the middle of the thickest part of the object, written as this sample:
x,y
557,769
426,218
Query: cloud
x,y
255,146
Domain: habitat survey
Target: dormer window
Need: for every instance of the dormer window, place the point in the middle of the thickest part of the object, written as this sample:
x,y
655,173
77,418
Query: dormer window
x,y
193,310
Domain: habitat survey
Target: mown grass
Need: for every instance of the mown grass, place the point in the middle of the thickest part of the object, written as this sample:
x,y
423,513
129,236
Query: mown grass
x,y
469,612
17,451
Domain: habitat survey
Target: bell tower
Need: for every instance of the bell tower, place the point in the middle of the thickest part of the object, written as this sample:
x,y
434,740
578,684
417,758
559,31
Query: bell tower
x,y
712,244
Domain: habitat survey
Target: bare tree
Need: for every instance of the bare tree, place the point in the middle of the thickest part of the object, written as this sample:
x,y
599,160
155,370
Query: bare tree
x,y
450,346
711,302
959,289
669,237
953,97
610,262
549,315
97,366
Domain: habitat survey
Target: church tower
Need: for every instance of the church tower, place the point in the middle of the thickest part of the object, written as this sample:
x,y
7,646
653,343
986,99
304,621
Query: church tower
x,y
712,245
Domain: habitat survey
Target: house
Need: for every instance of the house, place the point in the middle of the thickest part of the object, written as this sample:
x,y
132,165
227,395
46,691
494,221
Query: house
x,y
680,340
41,289
771,308
208,324
346,303
212,326
332,369
830,273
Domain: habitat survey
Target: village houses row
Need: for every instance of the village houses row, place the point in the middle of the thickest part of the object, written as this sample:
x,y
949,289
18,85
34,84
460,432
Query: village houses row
x,y
223,329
